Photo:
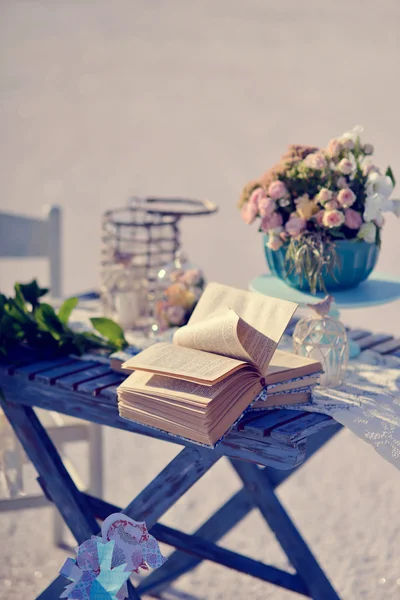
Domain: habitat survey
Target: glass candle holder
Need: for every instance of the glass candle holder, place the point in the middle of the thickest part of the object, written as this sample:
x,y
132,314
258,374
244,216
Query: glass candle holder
x,y
323,338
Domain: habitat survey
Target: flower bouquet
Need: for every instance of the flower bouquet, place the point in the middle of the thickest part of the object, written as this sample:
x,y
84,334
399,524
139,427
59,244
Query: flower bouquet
x,y
320,209
184,288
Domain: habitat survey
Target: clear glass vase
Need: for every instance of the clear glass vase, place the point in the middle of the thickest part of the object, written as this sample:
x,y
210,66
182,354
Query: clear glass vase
x,y
323,338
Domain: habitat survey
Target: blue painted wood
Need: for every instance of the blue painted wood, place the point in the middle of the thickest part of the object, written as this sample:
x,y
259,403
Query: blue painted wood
x,y
357,334
99,383
43,454
242,445
201,549
208,551
54,590
171,483
301,425
72,381
227,517
378,289
388,347
33,368
50,376
372,340
285,531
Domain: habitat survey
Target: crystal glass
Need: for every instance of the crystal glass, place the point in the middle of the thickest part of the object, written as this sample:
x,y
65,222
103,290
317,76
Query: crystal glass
x,y
180,285
323,338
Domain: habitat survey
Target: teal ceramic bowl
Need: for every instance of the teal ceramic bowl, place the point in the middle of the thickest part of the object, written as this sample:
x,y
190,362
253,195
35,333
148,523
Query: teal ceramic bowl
x,y
357,259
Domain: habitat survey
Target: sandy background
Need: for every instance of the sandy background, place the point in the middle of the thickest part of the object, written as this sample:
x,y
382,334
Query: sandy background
x,y
102,100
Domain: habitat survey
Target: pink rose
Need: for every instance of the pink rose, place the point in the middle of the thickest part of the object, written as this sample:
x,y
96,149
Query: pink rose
x,y
334,148
333,218
352,218
274,242
345,166
346,198
331,205
272,222
175,315
342,182
266,207
319,216
324,195
315,160
348,143
277,189
249,212
295,225
256,196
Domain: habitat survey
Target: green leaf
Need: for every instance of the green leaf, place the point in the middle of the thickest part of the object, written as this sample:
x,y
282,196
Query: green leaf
x,y
66,309
31,292
389,173
110,330
48,320
337,234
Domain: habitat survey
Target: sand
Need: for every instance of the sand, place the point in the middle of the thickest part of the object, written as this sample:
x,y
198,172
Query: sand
x,y
102,100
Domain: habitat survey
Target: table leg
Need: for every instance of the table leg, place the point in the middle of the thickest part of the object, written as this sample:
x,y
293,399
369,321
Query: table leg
x,y
286,533
44,456
225,519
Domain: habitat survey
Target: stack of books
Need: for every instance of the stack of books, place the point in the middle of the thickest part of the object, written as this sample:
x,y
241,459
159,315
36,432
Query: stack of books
x,y
222,363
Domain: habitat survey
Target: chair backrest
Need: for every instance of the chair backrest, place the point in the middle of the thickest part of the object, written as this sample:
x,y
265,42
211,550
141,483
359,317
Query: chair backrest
x,y
22,236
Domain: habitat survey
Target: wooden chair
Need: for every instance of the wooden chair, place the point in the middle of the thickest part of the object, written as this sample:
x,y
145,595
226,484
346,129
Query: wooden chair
x,y
23,237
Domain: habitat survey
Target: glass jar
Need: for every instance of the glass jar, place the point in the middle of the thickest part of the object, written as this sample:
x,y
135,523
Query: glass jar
x,y
323,338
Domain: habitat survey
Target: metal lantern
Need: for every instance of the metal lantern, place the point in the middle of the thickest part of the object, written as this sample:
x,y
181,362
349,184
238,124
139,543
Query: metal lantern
x,y
137,241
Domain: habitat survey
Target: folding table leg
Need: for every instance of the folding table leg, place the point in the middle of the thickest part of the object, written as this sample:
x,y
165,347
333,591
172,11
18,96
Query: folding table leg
x,y
225,519
181,473
286,533
44,456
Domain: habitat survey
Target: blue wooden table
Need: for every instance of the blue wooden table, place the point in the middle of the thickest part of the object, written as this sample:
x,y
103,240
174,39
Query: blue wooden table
x,y
263,450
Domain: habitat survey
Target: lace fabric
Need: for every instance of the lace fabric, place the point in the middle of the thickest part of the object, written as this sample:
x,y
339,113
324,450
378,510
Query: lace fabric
x,y
367,403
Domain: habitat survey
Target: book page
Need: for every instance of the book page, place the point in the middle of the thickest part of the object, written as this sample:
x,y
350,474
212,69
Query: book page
x,y
229,335
260,347
269,316
217,334
184,363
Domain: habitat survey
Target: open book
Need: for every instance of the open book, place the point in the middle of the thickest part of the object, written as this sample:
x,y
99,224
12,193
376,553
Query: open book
x,y
218,364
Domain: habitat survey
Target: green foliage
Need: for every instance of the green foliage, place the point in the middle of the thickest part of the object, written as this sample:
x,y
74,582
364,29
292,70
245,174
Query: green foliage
x,y
24,319
389,173
110,330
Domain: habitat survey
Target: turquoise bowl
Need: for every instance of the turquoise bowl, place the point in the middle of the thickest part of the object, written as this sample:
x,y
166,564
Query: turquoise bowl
x,y
357,259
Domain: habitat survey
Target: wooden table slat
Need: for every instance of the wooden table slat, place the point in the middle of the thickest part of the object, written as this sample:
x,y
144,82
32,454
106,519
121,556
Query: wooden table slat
x,y
72,381
388,347
357,334
50,376
32,369
372,340
94,386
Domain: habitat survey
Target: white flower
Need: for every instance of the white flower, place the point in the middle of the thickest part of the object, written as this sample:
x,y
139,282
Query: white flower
x,y
379,220
368,149
396,207
379,184
367,232
352,135
378,203
284,202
